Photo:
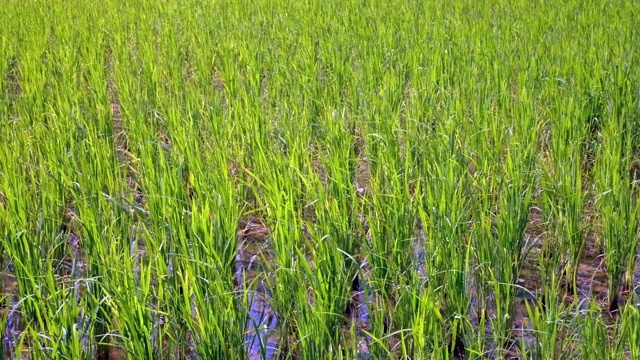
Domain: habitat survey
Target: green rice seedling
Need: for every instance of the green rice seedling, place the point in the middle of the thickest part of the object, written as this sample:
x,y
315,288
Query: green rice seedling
x,y
282,194
214,225
593,336
503,264
389,209
501,216
47,294
391,218
547,315
37,249
333,234
189,183
13,214
563,195
430,337
629,328
443,212
4,315
616,201
597,339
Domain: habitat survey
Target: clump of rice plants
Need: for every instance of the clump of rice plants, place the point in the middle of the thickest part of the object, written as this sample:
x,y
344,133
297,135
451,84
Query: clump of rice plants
x,y
564,195
616,193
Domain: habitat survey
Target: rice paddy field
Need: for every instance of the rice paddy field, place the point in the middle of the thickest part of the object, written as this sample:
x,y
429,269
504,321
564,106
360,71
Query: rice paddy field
x,y
275,179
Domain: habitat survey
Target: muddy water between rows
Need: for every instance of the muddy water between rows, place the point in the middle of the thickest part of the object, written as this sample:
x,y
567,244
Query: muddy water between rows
x,y
262,332
261,336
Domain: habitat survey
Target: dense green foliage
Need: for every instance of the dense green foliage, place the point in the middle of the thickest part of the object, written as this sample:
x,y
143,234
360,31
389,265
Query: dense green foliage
x,y
410,145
